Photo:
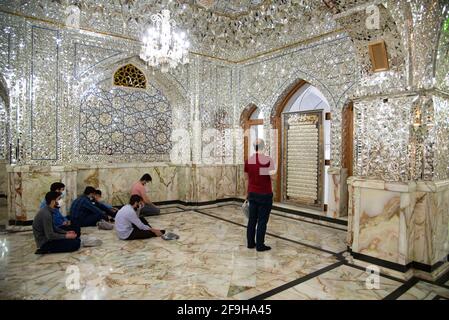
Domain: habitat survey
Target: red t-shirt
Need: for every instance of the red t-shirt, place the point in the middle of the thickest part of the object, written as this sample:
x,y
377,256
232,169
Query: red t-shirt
x,y
258,167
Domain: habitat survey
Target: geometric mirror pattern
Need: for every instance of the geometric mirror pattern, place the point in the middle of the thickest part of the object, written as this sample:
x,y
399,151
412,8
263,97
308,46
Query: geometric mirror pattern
x,y
125,121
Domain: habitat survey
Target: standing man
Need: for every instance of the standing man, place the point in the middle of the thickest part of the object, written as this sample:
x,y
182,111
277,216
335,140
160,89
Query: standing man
x,y
50,239
138,188
259,171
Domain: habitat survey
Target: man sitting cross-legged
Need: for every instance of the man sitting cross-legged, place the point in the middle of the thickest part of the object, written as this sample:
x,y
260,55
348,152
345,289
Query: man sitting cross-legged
x,y
129,226
48,238
59,220
84,212
103,206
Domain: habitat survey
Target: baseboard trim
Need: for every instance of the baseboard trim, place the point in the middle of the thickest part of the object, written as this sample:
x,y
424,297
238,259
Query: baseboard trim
x,y
196,204
396,266
311,215
22,223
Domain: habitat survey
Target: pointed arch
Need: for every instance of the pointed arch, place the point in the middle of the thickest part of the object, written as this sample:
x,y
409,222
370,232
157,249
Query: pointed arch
x,y
130,76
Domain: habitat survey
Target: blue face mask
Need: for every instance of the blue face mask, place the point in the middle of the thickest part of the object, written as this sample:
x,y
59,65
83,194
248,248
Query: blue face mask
x,y
63,194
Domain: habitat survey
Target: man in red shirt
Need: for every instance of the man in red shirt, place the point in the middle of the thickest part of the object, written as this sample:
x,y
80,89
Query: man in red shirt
x,y
259,171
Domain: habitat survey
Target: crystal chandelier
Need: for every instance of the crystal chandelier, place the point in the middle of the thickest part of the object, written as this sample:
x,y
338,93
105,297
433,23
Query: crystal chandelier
x,y
163,45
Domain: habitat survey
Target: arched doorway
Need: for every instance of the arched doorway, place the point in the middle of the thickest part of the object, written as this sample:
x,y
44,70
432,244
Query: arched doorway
x,y
303,128
251,121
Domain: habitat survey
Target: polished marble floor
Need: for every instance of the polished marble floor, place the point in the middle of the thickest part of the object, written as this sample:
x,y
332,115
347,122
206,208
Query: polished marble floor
x,y
209,261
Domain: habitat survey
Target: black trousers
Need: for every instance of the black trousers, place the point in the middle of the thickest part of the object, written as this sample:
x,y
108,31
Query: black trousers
x,y
72,227
142,234
259,212
58,246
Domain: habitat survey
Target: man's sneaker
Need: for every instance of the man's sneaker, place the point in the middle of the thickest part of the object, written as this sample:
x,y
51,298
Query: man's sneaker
x,y
170,236
104,225
90,241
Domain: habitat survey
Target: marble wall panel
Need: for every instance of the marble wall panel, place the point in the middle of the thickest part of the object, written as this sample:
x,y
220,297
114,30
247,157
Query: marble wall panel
x,y
115,183
3,178
338,193
226,182
431,238
29,188
379,224
207,187
401,223
185,183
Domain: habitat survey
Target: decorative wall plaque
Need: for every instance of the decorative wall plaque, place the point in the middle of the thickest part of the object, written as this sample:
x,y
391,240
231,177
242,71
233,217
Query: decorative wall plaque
x,y
303,153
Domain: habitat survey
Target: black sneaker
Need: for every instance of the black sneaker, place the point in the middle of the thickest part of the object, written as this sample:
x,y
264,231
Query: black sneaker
x,y
264,248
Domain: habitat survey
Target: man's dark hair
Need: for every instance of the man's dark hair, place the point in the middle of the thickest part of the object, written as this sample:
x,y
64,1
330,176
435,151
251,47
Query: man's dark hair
x,y
89,190
98,192
134,198
56,186
52,195
146,177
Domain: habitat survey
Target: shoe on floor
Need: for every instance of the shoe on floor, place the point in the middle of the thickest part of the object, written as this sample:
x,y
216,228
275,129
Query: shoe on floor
x,y
104,225
264,248
90,241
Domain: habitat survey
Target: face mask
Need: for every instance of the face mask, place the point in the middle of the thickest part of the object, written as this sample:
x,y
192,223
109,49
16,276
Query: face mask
x,y
63,194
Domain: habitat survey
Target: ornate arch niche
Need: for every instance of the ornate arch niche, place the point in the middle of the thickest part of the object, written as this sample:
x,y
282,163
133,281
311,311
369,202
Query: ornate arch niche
x,y
125,116
303,144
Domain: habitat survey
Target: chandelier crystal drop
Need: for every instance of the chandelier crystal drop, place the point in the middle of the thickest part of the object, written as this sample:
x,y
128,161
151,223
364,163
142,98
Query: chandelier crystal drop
x,y
163,45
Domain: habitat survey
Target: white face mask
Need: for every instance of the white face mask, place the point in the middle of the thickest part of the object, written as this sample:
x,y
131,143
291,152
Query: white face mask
x,y
140,206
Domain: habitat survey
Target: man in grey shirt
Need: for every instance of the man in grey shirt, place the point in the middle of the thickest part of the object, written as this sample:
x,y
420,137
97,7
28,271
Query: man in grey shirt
x,y
50,239
129,226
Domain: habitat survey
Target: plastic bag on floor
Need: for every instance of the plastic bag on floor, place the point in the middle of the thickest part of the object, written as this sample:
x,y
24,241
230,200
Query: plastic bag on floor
x,y
245,209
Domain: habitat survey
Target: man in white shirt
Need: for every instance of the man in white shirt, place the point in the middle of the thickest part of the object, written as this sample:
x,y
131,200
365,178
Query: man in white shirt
x,y
129,226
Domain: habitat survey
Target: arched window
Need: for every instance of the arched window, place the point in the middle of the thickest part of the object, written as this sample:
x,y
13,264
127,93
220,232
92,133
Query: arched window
x,y
252,123
130,76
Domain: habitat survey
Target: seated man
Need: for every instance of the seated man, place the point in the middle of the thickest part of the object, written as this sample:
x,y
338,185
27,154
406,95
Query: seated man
x,y
84,212
138,188
48,238
59,220
106,208
129,226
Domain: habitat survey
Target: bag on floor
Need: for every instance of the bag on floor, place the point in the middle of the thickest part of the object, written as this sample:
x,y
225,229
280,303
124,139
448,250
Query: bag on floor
x,y
245,208
90,241
170,236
